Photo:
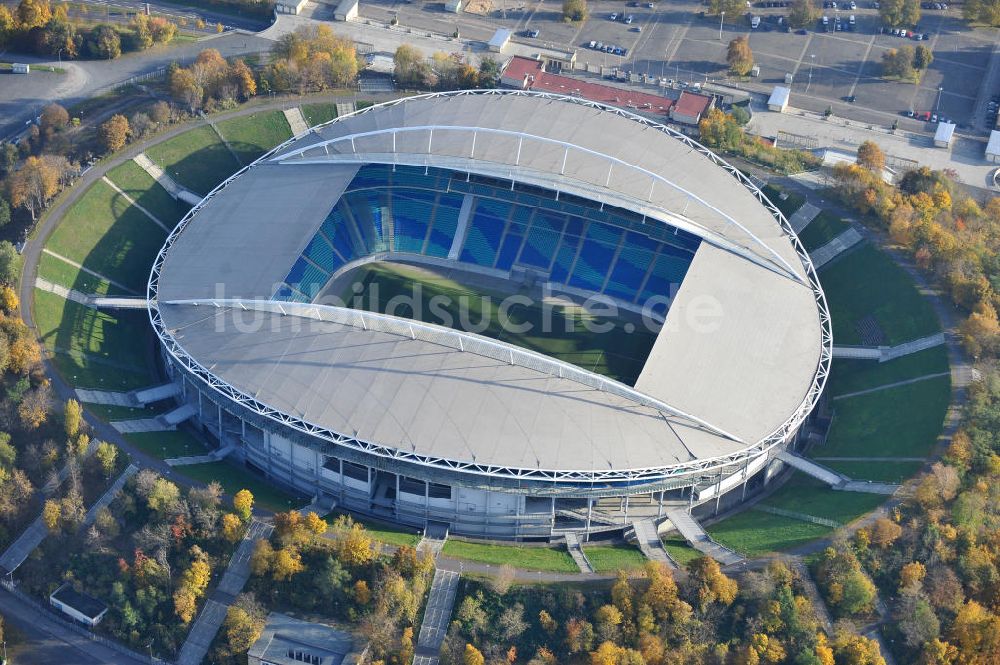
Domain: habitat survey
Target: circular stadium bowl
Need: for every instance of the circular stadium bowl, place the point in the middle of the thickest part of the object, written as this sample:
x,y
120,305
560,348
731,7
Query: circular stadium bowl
x,y
717,349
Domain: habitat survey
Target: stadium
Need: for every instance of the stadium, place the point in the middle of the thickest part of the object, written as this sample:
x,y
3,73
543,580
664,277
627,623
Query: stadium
x,y
661,334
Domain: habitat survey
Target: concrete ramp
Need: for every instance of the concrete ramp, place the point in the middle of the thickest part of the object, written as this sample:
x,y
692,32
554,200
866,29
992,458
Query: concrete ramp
x,y
868,487
156,393
814,469
696,536
168,183
179,415
109,397
649,542
296,121
104,302
800,218
835,247
575,551
858,352
140,425
345,108
437,614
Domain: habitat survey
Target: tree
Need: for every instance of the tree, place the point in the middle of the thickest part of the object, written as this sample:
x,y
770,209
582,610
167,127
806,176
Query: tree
x,y
7,26
142,35
104,42
163,30
4,212
922,57
802,13
575,10
72,416
51,514
192,585
33,14
107,455
34,408
243,78
10,263
114,132
472,656
885,532
739,56
410,67
243,504
982,11
34,184
731,7
710,584
185,88
261,558
898,63
315,524
163,496
244,623
231,527
871,156
896,13
54,117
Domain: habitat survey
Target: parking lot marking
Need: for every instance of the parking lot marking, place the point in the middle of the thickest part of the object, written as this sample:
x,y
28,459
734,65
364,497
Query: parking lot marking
x,y
805,51
861,66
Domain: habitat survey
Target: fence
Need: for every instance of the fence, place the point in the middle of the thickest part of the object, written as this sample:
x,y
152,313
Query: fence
x,y
803,517
78,629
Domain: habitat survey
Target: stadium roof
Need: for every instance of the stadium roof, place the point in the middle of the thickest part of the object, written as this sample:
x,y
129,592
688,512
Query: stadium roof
x,y
750,372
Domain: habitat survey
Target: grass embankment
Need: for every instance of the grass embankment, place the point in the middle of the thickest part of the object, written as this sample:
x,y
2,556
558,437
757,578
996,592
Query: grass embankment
x,y
612,558
145,191
527,558
381,531
197,159
822,229
250,136
316,114
233,479
165,445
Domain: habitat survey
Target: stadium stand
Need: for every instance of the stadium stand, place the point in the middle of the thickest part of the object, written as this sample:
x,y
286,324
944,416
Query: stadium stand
x,y
415,210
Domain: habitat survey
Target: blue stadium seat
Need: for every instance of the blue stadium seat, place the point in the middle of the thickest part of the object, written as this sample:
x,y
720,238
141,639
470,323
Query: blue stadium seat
x,y
319,252
306,278
630,269
411,214
543,238
482,242
508,250
567,251
444,226
668,272
336,229
595,258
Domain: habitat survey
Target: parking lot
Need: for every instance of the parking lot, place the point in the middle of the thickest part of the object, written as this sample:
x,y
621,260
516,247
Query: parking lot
x,y
671,41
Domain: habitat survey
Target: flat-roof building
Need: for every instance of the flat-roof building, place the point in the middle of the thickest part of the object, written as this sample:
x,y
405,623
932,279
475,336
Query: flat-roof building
x,y
944,134
778,101
690,108
498,42
286,640
993,147
80,606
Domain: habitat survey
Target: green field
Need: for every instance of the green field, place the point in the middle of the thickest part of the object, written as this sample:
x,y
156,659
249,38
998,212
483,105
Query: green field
x,y
821,230
112,412
233,479
896,422
196,159
93,349
616,353
866,282
612,558
754,533
146,192
886,472
849,376
318,113
789,205
250,136
59,272
803,494
165,445
381,531
108,235
525,558
680,551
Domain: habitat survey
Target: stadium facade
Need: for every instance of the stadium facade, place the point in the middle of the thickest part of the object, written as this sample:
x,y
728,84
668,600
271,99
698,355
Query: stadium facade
x,y
417,422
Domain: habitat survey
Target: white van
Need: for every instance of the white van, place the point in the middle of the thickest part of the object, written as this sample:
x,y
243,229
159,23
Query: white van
x,y
755,22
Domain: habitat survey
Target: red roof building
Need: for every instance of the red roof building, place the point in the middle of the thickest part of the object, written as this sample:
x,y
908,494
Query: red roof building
x,y
690,108
527,74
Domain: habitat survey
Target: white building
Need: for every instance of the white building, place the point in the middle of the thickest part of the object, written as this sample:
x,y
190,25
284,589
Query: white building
x,y
778,101
993,147
944,135
81,607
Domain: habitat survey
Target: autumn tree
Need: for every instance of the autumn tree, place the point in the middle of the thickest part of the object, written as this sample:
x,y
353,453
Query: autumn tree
x,y
51,514
899,13
34,408
243,504
72,416
192,585
898,63
354,547
709,584
107,455
261,558
185,88
871,157
244,623
986,12
730,7
34,184
231,525
114,132
575,10
33,13
802,13
10,263
739,56
162,496
473,656
104,42
53,118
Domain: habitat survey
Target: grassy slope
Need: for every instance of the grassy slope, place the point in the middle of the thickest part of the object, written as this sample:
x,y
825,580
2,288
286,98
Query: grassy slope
x,y
250,136
848,376
887,472
318,113
527,558
106,234
755,533
85,337
145,191
896,422
381,531
787,206
197,159
616,353
233,479
824,228
164,445
611,558
803,494
58,271
680,551
866,281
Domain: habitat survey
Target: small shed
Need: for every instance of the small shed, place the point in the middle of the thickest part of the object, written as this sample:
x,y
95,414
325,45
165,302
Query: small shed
x,y
944,135
81,607
347,10
293,641
499,40
690,108
778,101
993,147
289,6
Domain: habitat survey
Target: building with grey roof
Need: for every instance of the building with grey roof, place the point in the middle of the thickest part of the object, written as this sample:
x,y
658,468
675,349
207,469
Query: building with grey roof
x,y
536,193
286,640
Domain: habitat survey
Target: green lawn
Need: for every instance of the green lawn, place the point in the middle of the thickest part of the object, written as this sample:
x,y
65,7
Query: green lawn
x,y
611,558
848,376
865,281
106,234
145,191
680,551
807,495
233,479
526,558
197,159
887,472
896,422
59,272
754,533
615,353
94,349
250,136
318,113
381,531
824,228
164,445
789,205
112,412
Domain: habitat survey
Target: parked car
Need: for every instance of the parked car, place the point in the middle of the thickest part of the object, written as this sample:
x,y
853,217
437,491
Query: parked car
x,y
755,22
613,16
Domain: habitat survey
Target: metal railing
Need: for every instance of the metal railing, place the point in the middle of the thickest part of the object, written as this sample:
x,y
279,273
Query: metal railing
x,y
696,467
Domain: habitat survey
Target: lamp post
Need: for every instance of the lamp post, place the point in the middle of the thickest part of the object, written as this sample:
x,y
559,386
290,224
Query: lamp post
x,y
722,17
812,63
937,106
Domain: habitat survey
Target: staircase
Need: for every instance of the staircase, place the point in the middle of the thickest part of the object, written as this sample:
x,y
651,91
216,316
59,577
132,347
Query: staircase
x,y
811,468
648,539
692,532
575,551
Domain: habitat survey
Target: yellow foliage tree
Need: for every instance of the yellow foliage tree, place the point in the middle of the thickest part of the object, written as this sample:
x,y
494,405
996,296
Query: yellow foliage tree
x,y
231,527
261,558
51,514
287,562
472,656
243,504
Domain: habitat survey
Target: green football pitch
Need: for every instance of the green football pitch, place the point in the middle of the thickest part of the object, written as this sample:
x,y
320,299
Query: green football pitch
x,y
610,346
